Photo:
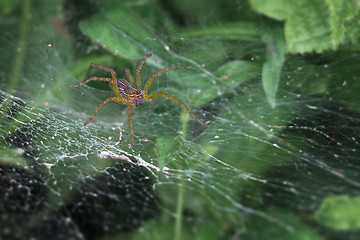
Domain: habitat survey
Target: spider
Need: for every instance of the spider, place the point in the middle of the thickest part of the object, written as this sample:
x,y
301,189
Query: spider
x,y
126,93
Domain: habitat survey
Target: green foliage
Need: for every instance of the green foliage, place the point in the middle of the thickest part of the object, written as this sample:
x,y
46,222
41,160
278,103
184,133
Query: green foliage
x,y
12,157
163,147
340,12
275,57
6,6
339,212
230,31
276,231
310,25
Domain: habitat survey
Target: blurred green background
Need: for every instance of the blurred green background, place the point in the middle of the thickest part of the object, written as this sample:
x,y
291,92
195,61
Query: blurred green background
x,y
276,83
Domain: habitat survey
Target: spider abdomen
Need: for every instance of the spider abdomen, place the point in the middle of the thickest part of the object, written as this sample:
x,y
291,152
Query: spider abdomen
x,y
123,84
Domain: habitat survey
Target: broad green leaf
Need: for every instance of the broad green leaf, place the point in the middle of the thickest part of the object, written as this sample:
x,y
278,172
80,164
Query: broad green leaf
x,y
340,11
352,31
307,25
229,75
125,34
122,32
308,29
231,31
237,71
340,212
277,9
275,57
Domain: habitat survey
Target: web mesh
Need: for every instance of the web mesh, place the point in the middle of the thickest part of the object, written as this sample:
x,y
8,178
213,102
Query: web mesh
x,y
90,178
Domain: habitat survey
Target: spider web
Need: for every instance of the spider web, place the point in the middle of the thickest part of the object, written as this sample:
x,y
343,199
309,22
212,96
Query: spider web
x,y
250,165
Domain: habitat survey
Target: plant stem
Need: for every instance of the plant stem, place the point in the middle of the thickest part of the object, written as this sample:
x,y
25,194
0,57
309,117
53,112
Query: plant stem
x,y
184,117
21,48
179,210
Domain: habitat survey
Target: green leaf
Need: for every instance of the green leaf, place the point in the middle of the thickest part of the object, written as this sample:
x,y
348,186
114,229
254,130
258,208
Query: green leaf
x,y
277,9
121,32
230,31
307,29
237,71
230,75
163,147
340,212
307,25
124,34
353,31
340,11
275,57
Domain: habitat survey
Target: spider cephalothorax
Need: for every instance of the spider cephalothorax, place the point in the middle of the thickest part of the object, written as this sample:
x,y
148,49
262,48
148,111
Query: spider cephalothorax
x,y
126,93
133,95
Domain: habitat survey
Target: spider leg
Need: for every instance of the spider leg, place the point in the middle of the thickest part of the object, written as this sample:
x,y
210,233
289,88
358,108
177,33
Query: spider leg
x,y
129,76
113,74
151,79
92,79
128,106
115,99
138,78
152,103
113,77
155,95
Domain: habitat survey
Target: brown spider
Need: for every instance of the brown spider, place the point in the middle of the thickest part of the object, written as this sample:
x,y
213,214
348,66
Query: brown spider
x,y
126,93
